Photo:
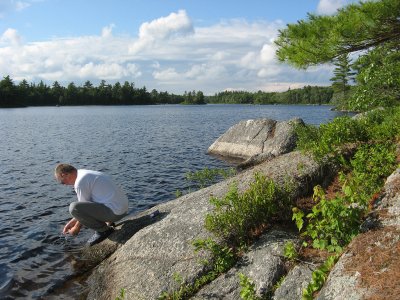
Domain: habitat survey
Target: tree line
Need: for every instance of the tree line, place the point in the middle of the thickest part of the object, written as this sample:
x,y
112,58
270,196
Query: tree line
x,y
25,94
306,95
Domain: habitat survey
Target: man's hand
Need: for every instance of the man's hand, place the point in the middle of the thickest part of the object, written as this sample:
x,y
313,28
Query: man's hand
x,y
73,227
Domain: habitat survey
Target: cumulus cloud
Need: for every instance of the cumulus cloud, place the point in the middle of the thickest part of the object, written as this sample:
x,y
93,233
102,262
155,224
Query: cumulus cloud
x,y
168,53
11,37
106,32
328,7
159,30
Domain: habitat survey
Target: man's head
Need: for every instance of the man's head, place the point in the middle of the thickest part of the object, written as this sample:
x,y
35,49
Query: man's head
x,y
65,174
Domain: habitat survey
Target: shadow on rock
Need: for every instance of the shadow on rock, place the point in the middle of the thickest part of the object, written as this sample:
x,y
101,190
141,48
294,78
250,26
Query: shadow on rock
x,y
94,255
126,229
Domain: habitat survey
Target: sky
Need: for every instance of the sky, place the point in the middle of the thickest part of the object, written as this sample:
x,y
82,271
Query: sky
x,y
167,45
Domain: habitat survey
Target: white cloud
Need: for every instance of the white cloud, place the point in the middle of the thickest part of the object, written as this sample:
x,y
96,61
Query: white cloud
x,y
159,30
106,32
268,53
107,71
174,24
7,6
328,7
169,74
10,37
20,5
168,53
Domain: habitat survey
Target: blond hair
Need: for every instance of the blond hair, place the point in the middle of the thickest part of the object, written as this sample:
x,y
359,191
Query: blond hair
x,y
64,169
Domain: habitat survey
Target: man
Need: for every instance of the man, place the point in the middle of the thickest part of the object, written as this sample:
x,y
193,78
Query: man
x,y
100,201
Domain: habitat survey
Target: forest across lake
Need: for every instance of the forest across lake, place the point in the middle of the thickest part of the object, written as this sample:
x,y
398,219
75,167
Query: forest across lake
x,y
40,94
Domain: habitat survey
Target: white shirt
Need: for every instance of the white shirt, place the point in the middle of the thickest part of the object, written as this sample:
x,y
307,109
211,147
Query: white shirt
x,y
93,186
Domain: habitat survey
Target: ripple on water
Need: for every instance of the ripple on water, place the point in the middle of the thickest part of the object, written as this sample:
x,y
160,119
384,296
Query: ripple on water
x,y
6,280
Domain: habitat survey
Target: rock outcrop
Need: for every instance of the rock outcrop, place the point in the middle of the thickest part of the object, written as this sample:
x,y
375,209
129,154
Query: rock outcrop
x,y
145,254
263,264
263,137
146,263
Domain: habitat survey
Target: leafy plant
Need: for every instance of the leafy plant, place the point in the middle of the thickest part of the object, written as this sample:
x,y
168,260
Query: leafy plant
x,y
237,214
223,256
328,138
319,277
290,251
298,216
178,193
332,223
122,295
206,176
248,288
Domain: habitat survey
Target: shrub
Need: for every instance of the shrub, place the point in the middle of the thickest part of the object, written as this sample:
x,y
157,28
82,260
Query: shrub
x,y
206,176
332,223
236,215
319,277
328,138
248,288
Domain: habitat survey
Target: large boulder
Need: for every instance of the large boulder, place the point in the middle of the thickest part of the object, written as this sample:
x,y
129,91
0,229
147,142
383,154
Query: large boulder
x,y
255,137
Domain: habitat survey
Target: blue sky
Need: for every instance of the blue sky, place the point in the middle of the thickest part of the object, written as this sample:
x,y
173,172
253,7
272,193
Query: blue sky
x,y
168,45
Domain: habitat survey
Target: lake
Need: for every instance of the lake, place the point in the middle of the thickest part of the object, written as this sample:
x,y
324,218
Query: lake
x,y
146,149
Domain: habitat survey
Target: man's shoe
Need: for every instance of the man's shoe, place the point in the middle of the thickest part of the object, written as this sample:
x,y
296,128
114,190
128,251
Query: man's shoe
x,y
97,237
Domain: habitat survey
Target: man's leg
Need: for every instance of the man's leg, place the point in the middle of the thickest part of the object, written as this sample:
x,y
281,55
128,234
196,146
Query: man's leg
x,y
93,215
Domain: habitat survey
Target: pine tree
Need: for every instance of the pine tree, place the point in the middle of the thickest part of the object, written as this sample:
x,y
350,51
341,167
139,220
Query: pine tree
x,y
342,75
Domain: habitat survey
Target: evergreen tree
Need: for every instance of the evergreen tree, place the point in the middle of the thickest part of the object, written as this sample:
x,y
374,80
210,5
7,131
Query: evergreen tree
x,y
364,26
342,75
8,93
57,92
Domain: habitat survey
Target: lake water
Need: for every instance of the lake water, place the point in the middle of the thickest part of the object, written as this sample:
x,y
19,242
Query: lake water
x,y
146,149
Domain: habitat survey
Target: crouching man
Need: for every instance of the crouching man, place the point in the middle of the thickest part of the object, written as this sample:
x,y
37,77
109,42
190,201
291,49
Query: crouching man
x,y
100,201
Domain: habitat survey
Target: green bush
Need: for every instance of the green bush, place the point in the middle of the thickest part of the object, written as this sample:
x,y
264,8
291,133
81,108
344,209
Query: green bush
x,y
378,126
248,288
328,138
223,257
207,176
332,223
236,215
319,277
382,125
371,165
